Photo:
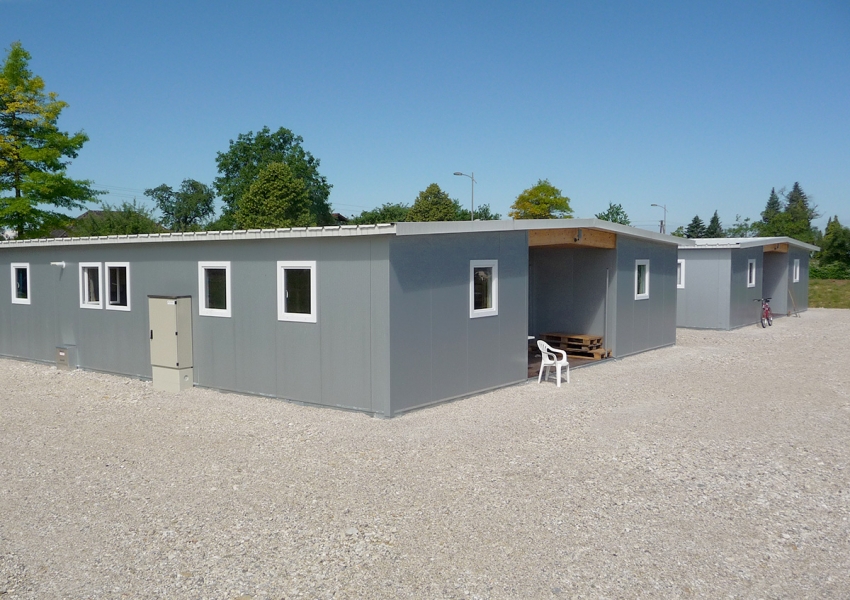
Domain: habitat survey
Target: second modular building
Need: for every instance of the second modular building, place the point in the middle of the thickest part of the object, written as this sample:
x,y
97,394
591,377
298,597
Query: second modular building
x,y
380,319
719,280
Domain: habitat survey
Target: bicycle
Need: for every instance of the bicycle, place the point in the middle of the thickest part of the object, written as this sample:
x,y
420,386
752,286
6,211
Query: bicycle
x,y
766,315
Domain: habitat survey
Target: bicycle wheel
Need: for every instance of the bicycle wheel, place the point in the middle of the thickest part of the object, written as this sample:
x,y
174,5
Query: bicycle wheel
x,y
769,318
763,321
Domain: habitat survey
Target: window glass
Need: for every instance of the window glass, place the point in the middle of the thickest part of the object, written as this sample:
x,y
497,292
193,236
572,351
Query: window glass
x,y
641,279
90,285
118,286
482,282
297,284
483,288
751,272
214,287
215,292
296,291
796,270
20,283
680,273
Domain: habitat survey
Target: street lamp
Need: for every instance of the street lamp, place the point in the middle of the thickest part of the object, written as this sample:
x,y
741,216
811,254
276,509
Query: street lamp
x,y
664,222
472,177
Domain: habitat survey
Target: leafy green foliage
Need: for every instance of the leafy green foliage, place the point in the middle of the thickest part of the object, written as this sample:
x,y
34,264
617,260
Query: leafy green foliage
x,y
187,209
482,213
387,213
541,201
614,214
433,204
244,160
741,228
696,228
714,229
127,219
34,153
679,232
793,219
278,198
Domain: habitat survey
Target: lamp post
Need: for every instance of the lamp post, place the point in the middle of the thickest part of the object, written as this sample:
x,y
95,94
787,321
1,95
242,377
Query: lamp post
x,y
664,222
472,177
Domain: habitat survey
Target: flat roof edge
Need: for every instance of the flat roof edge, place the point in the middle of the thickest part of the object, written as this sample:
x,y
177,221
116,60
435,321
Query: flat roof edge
x,y
209,236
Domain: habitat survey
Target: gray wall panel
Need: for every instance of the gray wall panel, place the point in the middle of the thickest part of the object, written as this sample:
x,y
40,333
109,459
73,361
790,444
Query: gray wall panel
x,y
776,280
651,323
704,301
380,356
800,290
438,351
742,308
567,290
329,362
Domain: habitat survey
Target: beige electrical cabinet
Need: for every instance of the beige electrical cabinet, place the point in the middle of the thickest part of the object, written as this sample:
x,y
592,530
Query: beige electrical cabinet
x,y
171,342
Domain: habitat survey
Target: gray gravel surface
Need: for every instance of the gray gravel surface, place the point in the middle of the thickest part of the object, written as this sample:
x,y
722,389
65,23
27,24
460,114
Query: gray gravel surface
x,y
715,468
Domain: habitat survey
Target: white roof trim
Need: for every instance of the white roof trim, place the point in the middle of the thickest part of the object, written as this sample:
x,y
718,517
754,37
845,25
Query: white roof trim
x,y
753,242
209,236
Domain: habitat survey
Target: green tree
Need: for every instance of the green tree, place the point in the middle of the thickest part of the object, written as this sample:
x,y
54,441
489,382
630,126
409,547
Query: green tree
x,y
714,229
433,204
127,219
696,228
387,213
241,165
614,214
482,213
741,228
772,208
795,218
541,201
187,209
836,244
278,198
679,232
34,153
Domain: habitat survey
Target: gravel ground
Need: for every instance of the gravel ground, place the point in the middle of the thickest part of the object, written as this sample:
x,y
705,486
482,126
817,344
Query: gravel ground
x,y
716,468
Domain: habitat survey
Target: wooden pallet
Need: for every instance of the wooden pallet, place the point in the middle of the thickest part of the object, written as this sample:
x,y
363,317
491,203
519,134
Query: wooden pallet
x,y
578,345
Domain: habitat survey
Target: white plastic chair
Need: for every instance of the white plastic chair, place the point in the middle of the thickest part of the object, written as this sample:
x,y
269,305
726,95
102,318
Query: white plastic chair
x,y
549,358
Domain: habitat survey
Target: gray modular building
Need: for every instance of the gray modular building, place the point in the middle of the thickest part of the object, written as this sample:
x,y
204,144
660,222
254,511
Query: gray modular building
x,y
380,319
718,280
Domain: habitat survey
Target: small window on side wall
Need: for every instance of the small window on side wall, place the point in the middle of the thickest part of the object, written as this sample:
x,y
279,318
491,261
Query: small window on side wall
x,y
751,272
20,283
680,274
296,291
91,285
796,277
641,279
214,288
483,288
117,286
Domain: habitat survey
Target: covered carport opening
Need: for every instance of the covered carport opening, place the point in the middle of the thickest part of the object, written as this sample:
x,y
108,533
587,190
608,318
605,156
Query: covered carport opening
x,y
775,276
570,291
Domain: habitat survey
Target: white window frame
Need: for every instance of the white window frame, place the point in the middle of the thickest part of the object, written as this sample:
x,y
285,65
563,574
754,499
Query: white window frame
x,y
494,309
202,297
14,271
83,302
795,278
751,282
282,315
680,274
642,262
108,285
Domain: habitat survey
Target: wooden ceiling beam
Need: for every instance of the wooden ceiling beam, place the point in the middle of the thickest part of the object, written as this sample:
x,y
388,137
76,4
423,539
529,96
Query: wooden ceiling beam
x,y
577,237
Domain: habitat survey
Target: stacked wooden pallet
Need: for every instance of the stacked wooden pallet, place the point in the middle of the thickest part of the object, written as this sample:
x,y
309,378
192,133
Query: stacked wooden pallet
x,y
578,344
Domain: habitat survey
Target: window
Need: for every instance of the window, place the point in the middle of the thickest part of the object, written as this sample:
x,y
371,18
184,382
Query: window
x,y
214,289
483,288
90,286
796,277
20,283
296,291
117,286
641,279
751,272
680,274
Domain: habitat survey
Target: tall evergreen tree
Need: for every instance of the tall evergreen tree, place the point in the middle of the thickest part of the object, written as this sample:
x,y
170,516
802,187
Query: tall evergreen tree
x,y
836,243
696,228
34,153
773,207
714,229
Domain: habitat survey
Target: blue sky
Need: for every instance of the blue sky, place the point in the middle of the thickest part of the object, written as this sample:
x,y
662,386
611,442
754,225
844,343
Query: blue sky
x,y
696,105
